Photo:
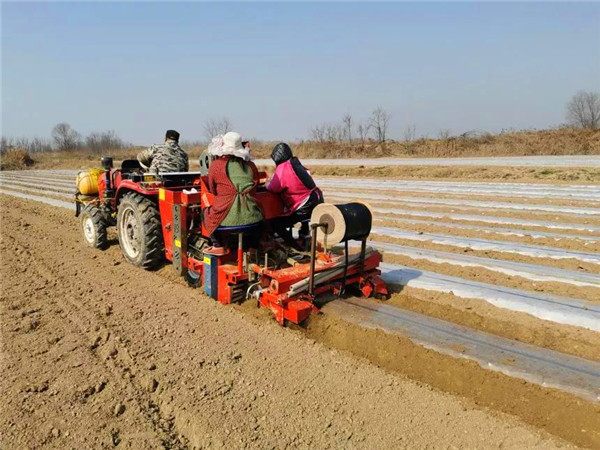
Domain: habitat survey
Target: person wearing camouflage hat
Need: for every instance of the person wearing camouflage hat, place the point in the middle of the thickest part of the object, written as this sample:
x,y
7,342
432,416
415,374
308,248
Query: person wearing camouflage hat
x,y
167,157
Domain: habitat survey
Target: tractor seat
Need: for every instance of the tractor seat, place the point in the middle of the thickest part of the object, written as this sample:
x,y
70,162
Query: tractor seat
x,y
247,233
129,165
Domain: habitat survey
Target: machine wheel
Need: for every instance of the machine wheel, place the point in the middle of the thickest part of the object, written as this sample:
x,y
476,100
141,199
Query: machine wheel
x,y
140,231
93,227
193,278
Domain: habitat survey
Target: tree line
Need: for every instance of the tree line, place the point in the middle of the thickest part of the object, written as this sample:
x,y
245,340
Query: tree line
x,y
349,130
582,111
64,138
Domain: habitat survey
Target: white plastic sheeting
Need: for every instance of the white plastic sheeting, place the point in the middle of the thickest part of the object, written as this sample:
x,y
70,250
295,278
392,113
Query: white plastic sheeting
x,y
549,191
39,180
61,172
537,365
532,272
563,310
534,251
490,219
29,184
37,198
37,191
498,230
461,203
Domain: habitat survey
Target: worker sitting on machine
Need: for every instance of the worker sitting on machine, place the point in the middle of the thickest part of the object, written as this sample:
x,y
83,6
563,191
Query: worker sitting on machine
x,y
232,179
167,157
299,194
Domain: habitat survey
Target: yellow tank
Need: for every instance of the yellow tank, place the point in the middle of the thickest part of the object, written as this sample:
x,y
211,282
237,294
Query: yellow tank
x,y
87,182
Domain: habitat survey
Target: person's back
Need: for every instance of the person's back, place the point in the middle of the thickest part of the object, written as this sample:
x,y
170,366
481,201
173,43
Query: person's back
x,y
232,179
298,192
291,179
293,182
165,157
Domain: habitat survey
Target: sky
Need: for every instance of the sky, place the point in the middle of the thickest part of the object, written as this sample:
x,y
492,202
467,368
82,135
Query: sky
x,y
278,69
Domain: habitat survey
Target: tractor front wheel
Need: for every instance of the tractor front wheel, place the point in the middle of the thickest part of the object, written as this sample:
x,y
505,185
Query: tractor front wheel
x,y
139,230
93,224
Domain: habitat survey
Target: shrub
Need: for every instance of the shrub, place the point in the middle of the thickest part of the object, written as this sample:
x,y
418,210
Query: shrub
x,y
15,159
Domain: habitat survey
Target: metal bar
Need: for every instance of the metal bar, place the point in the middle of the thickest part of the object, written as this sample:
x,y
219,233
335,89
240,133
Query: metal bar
x,y
313,251
177,238
240,253
345,266
363,250
320,277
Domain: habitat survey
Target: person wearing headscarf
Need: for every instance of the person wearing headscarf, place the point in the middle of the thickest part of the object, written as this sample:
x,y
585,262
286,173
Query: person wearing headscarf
x,y
298,192
232,179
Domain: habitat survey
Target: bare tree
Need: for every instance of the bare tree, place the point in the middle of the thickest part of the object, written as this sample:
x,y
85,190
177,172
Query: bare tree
x,y
65,137
327,133
583,110
317,133
213,127
334,132
363,133
347,120
104,141
38,145
379,122
444,133
410,132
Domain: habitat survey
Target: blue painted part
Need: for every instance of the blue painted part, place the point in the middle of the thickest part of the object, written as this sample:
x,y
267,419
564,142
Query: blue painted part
x,y
211,276
239,227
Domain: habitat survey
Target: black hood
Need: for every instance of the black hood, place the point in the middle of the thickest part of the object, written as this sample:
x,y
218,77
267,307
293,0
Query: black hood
x,y
281,153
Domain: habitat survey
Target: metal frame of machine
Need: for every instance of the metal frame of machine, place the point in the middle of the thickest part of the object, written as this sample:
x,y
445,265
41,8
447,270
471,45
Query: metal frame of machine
x,y
289,292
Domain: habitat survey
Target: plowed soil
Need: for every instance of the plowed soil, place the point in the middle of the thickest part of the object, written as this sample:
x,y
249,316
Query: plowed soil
x,y
96,353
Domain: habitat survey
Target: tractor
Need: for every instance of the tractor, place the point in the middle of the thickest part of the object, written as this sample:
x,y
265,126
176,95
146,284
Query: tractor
x,y
158,219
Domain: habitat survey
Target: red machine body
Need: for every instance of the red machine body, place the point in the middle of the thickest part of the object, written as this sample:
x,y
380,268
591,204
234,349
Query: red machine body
x,y
238,277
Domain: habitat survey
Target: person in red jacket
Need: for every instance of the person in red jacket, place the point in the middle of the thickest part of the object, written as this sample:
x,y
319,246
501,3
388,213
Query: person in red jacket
x,y
232,178
298,192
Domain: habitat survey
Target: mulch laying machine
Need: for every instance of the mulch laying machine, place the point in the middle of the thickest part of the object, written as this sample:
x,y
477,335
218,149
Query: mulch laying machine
x,y
159,216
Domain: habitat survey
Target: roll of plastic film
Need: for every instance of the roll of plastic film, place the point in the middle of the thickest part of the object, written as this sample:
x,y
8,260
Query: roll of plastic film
x,y
344,222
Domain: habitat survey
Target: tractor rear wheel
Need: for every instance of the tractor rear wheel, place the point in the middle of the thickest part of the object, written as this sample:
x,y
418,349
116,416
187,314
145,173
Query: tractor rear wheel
x,y
140,231
93,224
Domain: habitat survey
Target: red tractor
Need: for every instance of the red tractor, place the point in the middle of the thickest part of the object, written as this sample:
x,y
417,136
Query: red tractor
x,y
159,216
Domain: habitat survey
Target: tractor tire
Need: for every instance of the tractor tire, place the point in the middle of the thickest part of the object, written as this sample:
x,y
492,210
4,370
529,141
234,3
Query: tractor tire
x,y
93,224
140,231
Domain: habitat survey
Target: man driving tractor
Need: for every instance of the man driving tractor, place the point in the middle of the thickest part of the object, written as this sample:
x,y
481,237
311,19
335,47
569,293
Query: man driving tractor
x,y
167,157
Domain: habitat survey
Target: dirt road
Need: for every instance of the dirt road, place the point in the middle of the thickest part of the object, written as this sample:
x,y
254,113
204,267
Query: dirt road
x,y
97,353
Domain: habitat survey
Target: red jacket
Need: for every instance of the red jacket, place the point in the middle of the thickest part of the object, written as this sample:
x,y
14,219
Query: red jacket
x,y
224,191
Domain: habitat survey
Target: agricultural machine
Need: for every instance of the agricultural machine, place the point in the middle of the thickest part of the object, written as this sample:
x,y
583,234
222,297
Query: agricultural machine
x,y
158,217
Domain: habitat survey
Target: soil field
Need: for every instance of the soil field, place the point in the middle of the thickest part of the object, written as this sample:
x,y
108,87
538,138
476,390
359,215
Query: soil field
x,y
143,361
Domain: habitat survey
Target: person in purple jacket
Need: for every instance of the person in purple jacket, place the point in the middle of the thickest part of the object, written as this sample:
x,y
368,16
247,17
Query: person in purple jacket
x,y
298,192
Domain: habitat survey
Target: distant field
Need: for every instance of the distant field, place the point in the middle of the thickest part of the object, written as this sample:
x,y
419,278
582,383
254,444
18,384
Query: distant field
x,y
564,155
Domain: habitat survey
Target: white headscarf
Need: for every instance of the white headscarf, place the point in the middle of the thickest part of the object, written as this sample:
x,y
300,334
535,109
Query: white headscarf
x,y
229,144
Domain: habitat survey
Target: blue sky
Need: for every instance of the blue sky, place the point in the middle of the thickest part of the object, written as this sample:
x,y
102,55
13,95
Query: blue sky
x,y
277,69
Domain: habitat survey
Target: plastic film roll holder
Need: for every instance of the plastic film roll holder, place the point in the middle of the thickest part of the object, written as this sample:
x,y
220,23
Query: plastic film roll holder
x,y
332,224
